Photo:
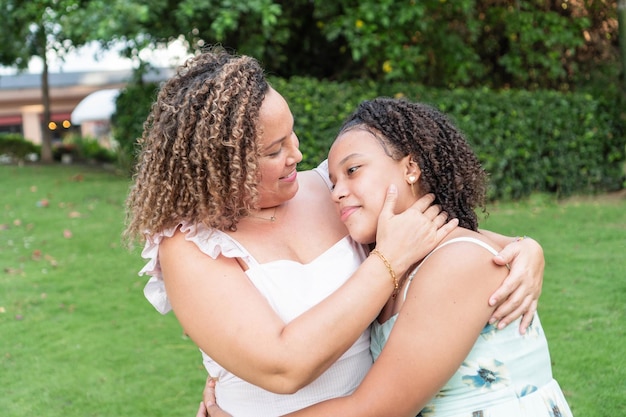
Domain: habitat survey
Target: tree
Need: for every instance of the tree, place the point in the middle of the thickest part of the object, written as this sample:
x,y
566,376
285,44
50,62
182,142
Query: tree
x,y
37,28
33,29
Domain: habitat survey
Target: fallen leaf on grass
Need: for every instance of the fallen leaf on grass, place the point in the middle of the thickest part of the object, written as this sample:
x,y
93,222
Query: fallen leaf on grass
x,y
67,234
33,188
2,310
74,214
36,256
17,222
53,262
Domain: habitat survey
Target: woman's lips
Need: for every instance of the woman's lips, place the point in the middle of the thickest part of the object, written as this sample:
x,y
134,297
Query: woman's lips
x,y
291,177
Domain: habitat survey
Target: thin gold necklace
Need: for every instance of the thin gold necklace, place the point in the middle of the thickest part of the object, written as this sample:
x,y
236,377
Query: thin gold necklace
x,y
272,218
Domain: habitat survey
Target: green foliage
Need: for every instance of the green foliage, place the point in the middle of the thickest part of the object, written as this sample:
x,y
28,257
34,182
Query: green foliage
x,y
132,107
86,149
465,42
537,43
16,147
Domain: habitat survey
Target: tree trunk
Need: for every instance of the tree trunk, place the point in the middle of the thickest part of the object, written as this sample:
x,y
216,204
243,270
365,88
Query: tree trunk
x,y
621,18
46,134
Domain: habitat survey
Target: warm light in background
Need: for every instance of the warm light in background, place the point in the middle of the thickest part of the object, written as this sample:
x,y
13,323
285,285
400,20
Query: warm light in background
x,y
66,124
52,126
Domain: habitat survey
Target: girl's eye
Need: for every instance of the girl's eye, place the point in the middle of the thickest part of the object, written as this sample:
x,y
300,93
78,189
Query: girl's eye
x,y
351,170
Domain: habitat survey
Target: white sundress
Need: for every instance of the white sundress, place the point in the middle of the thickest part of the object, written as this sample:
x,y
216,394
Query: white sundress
x,y
290,288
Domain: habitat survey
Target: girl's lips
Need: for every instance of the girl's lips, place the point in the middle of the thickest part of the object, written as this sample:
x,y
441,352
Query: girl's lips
x,y
346,212
291,177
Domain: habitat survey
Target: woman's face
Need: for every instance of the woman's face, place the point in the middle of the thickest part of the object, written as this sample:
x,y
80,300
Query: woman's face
x,y
361,172
279,151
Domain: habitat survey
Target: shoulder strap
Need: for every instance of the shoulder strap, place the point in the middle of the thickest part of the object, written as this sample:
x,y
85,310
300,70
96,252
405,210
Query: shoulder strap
x,y
455,240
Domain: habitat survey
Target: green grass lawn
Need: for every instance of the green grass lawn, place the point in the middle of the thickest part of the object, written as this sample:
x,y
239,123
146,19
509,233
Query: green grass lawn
x,y
77,337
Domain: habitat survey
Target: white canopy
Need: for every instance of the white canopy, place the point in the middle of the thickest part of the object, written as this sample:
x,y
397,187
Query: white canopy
x,y
99,105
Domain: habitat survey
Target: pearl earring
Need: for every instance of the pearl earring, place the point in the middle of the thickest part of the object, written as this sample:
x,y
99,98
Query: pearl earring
x,y
412,179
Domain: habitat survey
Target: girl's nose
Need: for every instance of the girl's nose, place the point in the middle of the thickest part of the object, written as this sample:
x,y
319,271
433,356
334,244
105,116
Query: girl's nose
x,y
338,192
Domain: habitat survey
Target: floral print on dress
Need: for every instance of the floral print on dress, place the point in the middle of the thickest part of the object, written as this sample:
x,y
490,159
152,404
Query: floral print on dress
x,y
489,332
427,411
485,374
528,389
553,407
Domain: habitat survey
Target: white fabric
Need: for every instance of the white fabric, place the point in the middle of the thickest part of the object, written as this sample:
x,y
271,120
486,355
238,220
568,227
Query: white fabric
x,y
290,288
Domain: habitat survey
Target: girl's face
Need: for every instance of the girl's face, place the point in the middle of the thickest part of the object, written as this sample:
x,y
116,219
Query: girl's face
x,y
279,152
361,172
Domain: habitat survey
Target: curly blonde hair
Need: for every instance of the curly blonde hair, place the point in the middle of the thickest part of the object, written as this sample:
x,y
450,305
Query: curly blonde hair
x,y
198,159
450,168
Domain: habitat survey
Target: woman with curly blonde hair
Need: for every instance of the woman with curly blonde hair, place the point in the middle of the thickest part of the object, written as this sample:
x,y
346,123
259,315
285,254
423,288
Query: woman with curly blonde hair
x,y
251,255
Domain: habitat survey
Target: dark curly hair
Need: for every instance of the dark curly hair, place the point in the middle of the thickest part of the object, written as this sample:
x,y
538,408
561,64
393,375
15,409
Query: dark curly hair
x,y
450,169
198,157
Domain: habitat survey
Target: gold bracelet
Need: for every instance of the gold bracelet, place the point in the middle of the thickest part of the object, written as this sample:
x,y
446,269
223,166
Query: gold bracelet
x,y
389,268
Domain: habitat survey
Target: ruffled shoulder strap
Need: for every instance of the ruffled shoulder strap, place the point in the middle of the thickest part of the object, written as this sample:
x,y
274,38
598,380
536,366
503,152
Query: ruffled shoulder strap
x,y
210,241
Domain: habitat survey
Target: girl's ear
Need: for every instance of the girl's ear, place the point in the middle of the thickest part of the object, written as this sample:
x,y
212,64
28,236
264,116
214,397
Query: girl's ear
x,y
412,171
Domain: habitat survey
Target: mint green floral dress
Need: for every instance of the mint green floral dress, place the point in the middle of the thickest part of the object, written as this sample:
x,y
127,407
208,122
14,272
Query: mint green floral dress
x,y
506,374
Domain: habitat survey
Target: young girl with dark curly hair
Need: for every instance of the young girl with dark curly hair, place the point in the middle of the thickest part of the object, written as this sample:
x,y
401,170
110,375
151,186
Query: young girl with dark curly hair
x,y
435,353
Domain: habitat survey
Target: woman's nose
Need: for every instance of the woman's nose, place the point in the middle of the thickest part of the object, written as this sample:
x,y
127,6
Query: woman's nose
x,y
295,153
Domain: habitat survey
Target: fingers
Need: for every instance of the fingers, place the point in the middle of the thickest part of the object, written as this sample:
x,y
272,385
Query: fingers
x,y
507,254
208,395
202,412
528,317
424,202
511,310
444,230
390,201
434,211
510,284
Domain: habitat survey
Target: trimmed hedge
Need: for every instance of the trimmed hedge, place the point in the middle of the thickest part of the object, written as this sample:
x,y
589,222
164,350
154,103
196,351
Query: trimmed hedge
x,y
540,141
16,147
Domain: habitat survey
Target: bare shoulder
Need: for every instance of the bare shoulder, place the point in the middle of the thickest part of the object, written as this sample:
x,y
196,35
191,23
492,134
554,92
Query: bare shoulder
x,y
314,192
464,259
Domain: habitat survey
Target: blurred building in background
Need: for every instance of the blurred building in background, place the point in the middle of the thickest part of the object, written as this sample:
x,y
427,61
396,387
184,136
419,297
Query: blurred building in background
x,y
80,103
